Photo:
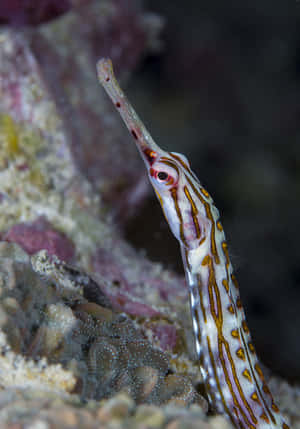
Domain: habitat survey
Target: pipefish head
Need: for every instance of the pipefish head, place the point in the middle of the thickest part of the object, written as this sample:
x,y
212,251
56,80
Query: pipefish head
x,y
169,172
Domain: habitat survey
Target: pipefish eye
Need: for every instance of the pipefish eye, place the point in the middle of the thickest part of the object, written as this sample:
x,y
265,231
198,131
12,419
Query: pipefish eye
x,y
162,175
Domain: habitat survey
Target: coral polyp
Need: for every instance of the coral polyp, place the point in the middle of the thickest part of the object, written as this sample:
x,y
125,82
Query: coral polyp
x,y
47,318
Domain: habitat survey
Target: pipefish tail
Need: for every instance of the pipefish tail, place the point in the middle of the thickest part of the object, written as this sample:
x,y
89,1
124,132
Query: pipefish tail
x,y
227,359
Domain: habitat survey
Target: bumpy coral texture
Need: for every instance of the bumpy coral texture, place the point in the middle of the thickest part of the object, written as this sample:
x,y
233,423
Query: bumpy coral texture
x,y
72,344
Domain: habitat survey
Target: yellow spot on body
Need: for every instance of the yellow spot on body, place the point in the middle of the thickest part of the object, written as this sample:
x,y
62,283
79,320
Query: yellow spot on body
x,y
275,408
265,388
205,260
240,354
219,226
234,281
225,251
235,333
254,397
205,193
226,285
251,347
285,426
245,327
265,417
239,303
230,309
246,374
259,371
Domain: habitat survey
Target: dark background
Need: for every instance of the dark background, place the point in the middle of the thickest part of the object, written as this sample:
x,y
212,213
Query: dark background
x,y
225,91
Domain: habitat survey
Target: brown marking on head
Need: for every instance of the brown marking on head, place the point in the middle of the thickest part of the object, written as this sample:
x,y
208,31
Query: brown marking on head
x,y
170,163
173,192
209,214
150,155
194,212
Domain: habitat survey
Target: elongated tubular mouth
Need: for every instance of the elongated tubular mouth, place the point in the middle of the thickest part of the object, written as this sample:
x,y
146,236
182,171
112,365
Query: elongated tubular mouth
x,y
144,142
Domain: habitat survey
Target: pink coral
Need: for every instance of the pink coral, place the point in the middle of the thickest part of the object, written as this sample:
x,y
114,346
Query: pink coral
x,y
123,302
166,334
38,235
31,12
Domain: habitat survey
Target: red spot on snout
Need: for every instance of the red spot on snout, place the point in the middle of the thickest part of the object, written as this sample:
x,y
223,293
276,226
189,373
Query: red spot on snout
x,y
134,134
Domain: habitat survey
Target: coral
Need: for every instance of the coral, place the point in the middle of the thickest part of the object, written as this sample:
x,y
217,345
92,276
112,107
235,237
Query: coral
x,y
21,313
53,338
40,235
117,355
19,372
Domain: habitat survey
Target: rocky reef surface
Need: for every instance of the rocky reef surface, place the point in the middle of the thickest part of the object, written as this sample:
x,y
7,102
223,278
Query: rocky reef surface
x,y
92,333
